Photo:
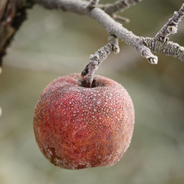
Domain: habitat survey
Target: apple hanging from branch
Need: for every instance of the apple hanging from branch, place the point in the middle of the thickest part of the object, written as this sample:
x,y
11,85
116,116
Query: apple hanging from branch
x,y
78,127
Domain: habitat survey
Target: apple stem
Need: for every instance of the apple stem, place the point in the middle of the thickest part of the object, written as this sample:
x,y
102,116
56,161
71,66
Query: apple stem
x,y
99,56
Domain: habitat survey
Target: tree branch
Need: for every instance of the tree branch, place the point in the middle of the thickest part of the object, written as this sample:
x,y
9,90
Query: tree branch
x,y
120,18
171,27
12,14
118,6
167,48
112,27
101,15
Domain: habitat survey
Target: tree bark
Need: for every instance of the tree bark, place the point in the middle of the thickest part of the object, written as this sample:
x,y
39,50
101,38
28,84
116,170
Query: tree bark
x,y
12,15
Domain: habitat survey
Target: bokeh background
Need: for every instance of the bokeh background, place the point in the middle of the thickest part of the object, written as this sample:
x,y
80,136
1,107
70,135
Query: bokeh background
x,y
52,44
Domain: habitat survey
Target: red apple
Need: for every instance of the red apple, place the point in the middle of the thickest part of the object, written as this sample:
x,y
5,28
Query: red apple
x,y
78,127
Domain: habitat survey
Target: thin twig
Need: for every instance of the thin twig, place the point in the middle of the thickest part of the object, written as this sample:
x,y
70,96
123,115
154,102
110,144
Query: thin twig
x,y
120,18
118,6
171,27
94,61
99,56
92,4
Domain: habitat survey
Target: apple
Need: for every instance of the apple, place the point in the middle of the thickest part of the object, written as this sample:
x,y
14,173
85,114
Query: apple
x,y
79,127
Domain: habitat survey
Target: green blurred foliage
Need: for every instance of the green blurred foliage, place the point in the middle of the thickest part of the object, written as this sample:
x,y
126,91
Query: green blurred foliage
x,y
52,44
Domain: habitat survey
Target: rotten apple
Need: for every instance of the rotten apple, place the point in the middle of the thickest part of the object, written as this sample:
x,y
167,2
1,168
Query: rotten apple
x,y
79,127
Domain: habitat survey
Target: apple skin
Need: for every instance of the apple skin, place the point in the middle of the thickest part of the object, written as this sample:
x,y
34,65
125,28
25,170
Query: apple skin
x,y
78,127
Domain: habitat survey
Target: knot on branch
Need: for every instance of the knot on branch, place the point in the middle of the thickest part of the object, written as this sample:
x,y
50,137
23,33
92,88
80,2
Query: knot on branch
x,y
146,52
113,40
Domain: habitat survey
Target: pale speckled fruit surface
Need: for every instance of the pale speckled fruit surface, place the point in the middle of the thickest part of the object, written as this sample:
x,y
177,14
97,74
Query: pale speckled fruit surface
x,y
78,127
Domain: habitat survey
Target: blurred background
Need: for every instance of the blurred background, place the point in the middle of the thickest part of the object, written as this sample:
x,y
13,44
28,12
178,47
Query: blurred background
x,y
52,44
